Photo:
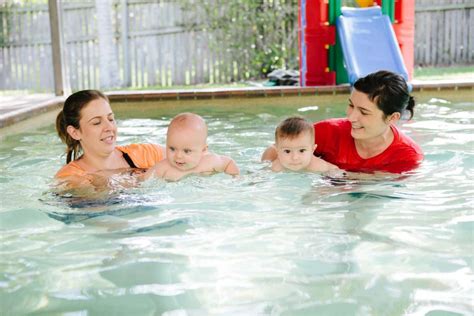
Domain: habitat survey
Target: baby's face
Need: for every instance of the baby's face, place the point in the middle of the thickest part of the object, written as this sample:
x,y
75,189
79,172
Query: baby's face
x,y
185,148
296,153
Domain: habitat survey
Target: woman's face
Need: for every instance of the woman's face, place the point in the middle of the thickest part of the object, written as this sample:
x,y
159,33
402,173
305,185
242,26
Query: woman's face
x,y
97,129
367,119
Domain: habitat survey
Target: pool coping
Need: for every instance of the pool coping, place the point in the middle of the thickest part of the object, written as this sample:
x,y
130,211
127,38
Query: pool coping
x,y
31,108
28,110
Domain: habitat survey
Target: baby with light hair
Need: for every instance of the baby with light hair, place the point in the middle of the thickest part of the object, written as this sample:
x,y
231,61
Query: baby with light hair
x,y
187,151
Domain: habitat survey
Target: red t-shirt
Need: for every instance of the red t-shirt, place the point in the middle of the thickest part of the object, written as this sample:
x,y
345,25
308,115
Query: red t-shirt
x,y
336,145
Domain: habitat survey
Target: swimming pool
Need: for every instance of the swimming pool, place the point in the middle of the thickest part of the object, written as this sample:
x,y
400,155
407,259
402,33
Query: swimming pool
x,y
263,244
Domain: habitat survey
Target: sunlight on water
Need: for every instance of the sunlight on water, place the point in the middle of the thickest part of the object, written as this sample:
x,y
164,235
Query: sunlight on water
x,y
260,244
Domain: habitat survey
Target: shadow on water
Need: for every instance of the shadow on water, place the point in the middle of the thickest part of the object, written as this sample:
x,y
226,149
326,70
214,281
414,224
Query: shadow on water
x,y
363,195
353,187
360,200
70,209
113,212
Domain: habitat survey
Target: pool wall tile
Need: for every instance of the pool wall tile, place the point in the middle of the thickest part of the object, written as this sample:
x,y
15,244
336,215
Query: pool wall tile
x,y
256,93
273,92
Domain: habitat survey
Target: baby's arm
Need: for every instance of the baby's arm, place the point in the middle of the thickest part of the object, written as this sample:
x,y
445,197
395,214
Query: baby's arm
x,y
229,166
276,165
159,170
218,163
269,154
320,165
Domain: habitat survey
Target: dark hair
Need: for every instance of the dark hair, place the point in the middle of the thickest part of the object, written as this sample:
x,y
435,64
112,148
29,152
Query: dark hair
x,y
388,90
292,127
70,115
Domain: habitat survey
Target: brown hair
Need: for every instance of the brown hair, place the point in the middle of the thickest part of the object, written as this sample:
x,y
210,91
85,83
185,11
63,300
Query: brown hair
x,y
70,115
292,127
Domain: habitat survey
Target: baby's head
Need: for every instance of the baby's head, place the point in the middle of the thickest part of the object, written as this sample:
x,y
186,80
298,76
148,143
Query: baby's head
x,y
294,140
186,141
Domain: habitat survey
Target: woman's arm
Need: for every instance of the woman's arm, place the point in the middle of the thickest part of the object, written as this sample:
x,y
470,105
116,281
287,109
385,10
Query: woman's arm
x,y
89,186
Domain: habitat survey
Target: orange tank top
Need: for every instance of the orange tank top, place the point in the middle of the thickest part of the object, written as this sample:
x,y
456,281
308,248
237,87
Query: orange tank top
x,y
142,156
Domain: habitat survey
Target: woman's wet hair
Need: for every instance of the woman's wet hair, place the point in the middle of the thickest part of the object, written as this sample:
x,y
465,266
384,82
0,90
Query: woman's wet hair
x,y
70,115
388,90
292,127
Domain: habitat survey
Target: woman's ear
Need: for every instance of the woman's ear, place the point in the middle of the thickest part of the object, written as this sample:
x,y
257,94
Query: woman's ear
x,y
73,132
315,145
394,117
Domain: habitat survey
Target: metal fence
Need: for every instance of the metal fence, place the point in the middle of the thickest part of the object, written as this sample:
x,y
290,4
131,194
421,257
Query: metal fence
x,y
151,45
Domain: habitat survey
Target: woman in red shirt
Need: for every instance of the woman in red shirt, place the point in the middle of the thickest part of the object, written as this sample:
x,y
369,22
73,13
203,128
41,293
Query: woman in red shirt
x,y
367,139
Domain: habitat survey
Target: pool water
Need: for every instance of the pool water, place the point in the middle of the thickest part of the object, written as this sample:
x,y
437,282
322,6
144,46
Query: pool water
x,y
260,244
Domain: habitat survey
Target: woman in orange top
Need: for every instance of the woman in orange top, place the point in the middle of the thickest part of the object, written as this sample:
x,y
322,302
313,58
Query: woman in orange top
x,y
87,126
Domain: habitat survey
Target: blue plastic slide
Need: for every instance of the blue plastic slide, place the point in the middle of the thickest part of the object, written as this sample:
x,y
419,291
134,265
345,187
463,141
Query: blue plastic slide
x,y
368,43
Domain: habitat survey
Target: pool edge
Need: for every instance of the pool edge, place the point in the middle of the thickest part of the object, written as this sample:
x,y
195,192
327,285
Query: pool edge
x,y
13,116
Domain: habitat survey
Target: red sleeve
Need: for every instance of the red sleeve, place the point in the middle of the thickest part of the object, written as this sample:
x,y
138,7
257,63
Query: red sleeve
x,y
332,144
321,131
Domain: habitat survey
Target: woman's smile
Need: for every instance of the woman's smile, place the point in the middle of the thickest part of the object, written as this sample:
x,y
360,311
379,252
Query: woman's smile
x,y
109,139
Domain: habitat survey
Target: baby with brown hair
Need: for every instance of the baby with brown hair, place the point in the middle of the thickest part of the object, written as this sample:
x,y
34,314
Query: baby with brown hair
x,y
294,145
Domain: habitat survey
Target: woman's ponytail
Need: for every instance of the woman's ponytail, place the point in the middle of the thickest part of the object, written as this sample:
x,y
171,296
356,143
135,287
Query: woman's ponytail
x,y
411,106
72,146
70,115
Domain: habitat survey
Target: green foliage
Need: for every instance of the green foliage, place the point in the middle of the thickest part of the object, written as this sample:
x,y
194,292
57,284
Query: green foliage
x,y
4,24
451,72
9,9
259,35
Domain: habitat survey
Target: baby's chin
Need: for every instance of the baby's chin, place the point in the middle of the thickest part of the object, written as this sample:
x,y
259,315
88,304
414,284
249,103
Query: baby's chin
x,y
183,167
296,168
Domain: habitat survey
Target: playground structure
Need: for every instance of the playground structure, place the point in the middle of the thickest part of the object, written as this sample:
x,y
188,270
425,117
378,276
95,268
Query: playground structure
x,y
338,45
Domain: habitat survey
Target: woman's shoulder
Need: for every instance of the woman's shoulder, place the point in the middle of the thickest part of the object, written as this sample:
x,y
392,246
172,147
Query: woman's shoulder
x,y
335,126
142,149
71,169
333,123
404,141
144,155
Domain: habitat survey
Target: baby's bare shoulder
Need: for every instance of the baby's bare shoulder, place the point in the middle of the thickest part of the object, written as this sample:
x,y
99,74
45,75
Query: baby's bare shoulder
x,y
213,157
215,162
160,168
